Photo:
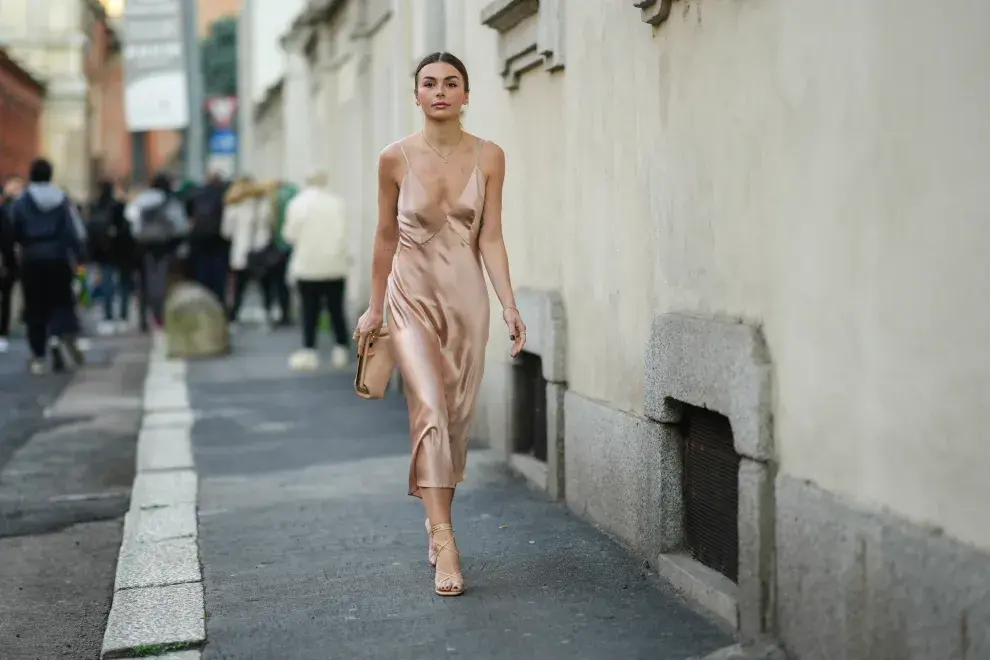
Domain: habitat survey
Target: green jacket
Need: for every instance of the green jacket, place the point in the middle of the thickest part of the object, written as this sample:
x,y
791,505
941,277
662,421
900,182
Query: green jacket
x,y
283,194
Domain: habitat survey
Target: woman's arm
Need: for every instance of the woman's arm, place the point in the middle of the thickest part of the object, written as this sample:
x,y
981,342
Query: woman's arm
x,y
387,233
492,246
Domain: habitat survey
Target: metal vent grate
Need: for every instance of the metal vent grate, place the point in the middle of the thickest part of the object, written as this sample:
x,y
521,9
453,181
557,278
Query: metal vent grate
x,y
530,407
711,491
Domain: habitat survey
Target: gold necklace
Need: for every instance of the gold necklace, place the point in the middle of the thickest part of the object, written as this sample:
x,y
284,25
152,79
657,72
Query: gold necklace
x,y
442,157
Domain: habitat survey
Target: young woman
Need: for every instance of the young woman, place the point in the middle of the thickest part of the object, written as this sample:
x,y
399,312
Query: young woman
x,y
439,219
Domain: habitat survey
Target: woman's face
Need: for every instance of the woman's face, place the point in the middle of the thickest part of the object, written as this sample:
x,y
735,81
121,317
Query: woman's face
x,y
440,91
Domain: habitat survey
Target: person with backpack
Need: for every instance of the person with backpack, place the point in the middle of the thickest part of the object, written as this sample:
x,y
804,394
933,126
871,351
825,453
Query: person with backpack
x,y
52,240
110,248
209,249
159,225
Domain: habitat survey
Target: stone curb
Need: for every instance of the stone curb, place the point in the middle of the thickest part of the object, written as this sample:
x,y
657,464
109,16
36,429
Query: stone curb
x,y
158,602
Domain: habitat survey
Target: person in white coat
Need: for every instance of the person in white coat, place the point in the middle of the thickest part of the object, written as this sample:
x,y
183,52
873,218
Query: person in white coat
x,y
316,227
247,223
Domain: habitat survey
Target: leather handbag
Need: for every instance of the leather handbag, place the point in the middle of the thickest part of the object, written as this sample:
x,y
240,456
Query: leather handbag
x,y
375,365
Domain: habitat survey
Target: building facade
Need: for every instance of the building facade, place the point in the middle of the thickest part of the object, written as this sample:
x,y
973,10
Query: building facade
x,y
50,38
269,139
748,252
22,99
261,65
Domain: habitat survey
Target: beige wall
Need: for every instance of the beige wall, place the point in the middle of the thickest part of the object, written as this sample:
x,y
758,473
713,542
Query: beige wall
x,y
748,161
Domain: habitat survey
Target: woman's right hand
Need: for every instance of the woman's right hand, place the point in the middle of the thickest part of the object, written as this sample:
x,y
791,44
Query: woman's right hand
x,y
370,321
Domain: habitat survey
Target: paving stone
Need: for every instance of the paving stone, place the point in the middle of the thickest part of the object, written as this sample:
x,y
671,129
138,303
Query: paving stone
x,y
156,564
154,616
153,489
159,524
194,654
164,449
169,419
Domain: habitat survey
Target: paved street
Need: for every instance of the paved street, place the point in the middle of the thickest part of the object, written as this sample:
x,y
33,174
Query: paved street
x,y
66,467
311,549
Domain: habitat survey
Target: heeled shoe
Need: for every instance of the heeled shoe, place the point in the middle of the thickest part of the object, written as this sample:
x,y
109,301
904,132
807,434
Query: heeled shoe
x,y
452,583
431,556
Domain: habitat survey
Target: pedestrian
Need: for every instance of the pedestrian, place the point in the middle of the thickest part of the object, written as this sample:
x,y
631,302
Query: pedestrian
x,y
278,278
316,228
159,225
439,219
111,246
50,234
13,186
248,224
209,250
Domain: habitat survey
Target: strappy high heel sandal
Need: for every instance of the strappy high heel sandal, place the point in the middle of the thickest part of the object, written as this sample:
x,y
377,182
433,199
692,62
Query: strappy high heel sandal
x,y
431,556
452,583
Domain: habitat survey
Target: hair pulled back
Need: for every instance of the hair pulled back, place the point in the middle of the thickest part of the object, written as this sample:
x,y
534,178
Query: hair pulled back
x,y
443,56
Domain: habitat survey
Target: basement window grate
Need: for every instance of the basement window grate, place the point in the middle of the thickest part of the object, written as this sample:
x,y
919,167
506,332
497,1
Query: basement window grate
x,y
711,490
530,413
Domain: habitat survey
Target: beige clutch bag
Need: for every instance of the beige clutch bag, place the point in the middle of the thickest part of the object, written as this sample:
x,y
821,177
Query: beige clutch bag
x,y
374,366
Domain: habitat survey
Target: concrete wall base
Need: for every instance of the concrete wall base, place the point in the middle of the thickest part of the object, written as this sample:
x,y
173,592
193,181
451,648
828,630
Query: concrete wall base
x,y
872,586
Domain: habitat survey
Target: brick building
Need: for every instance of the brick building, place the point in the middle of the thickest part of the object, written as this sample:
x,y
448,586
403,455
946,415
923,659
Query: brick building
x,y
21,105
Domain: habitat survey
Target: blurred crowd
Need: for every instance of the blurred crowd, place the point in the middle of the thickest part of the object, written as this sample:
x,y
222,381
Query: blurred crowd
x,y
123,248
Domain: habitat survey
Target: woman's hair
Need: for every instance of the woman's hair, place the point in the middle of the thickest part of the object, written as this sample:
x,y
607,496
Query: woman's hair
x,y
452,60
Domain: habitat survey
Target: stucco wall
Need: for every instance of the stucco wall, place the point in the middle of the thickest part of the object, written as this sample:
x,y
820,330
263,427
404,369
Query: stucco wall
x,y
806,166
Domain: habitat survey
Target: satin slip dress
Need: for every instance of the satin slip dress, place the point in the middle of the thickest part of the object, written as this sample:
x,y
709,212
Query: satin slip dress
x,y
438,320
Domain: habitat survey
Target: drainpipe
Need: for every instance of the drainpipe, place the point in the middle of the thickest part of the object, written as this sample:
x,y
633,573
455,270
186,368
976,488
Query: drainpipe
x,y
194,134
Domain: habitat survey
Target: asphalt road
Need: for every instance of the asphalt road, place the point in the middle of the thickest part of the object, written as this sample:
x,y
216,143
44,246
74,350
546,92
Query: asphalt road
x,y
66,467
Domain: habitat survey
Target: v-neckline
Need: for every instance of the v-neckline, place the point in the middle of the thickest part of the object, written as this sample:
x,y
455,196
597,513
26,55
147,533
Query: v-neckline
x,y
457,200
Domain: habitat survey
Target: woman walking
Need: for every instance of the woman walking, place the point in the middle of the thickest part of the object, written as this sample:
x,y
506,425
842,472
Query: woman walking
x,y
439,219
247,224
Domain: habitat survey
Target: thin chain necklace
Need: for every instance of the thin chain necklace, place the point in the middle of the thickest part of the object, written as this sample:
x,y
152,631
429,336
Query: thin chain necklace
x,y
434,149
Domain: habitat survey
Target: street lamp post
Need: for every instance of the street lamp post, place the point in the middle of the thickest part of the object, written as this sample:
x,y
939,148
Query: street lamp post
x,y
194,134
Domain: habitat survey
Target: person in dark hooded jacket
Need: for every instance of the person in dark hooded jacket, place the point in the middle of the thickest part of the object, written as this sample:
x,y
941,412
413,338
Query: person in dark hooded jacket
x,y
50,233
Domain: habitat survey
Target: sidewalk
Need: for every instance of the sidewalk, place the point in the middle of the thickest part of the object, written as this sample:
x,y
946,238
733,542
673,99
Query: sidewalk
x,y
311,549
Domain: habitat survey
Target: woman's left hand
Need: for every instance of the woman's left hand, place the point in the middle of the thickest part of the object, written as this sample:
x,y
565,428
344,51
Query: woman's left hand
x,y
517,330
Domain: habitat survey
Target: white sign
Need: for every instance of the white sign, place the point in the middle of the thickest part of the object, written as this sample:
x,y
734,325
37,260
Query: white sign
x,y
222,164
156,95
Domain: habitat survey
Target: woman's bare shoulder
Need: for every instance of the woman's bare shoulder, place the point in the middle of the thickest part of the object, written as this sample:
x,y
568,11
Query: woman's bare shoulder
x,y
492,157
392,152
391,161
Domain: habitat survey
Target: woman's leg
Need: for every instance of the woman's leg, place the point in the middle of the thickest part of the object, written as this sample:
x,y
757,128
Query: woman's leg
x,y
109,284
240,284
267,285
125,287
434,470
309,294
335,306
157,267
